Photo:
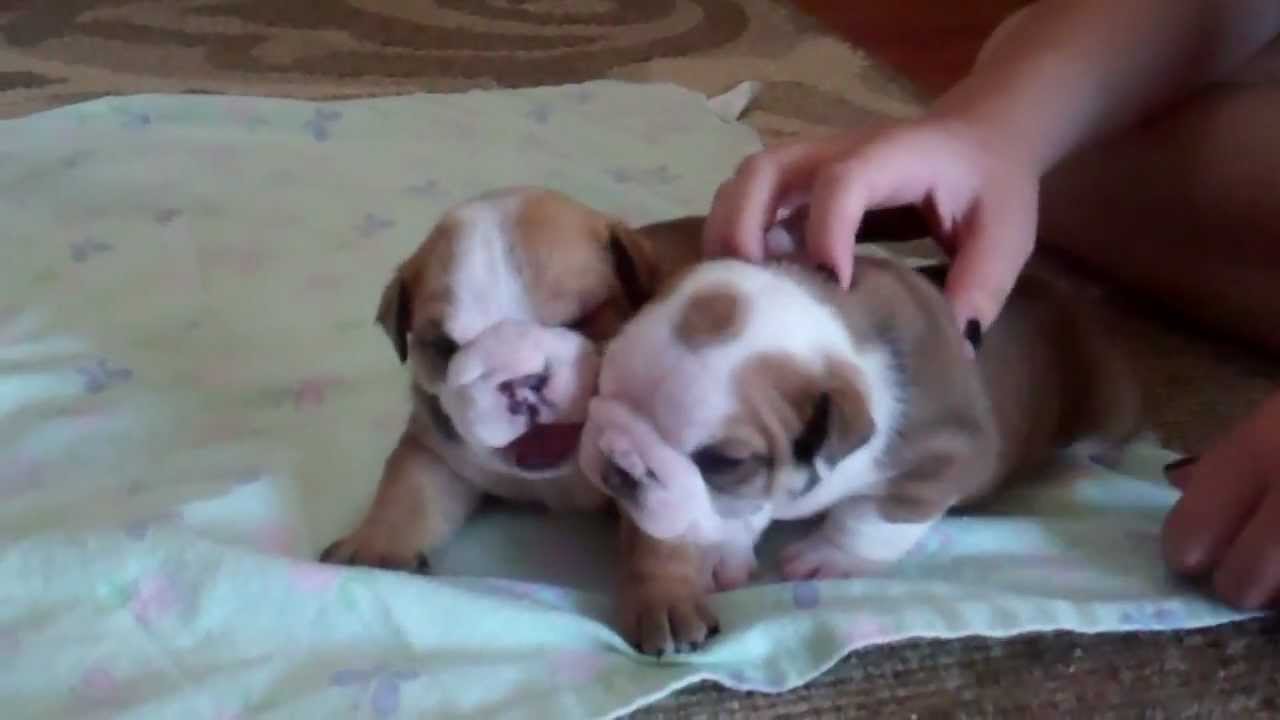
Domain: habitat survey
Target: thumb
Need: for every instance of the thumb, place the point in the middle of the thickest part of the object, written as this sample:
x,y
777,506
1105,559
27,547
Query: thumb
x,y
1221,491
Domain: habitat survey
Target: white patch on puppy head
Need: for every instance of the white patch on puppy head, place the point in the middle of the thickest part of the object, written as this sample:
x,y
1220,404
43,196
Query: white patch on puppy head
x,y
486,286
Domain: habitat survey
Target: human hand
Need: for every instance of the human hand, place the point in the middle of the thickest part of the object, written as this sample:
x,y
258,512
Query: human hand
x,y
1226,525
980,201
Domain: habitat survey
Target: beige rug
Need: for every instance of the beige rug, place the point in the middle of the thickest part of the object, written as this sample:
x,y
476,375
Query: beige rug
x,y
54,52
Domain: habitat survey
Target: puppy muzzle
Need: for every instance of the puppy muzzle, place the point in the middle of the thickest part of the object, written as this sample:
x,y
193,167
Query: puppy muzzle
x,y
516,375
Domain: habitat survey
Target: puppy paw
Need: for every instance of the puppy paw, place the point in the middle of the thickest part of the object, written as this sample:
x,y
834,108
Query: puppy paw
x,y
820,557
732,569
379,548
618,449
664,621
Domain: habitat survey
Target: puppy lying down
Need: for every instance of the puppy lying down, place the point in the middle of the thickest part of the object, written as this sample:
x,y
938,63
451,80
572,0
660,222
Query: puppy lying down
x,y
746,394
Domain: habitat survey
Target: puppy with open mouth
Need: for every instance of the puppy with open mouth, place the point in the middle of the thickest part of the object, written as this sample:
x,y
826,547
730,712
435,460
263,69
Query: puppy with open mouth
x,y
746,394
499,315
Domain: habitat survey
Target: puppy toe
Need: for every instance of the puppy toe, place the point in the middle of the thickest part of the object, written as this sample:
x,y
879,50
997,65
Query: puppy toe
x,y
675,624
337,552
372,549
415,563
422,565
689,631
654,633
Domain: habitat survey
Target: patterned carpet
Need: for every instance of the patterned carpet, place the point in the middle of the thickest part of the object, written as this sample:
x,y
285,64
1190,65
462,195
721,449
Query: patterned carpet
x,y
940,48
69,50
54,52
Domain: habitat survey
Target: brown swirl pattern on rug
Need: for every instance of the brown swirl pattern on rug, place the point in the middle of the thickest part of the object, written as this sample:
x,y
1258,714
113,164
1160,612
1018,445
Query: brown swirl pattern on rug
x,y
59,52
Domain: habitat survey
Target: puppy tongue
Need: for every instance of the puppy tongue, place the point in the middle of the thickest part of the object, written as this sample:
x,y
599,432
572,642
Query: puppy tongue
x,y
545,446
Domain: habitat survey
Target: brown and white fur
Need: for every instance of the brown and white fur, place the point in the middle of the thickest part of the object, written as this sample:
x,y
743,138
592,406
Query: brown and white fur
x,y
747,394
499,315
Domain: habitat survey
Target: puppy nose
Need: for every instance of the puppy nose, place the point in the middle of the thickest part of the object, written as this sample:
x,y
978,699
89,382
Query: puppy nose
x,y
619,483
524,395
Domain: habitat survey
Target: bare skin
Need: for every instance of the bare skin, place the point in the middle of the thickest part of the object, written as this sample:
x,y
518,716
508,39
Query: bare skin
x,y
1179,191
1195,187
1155,168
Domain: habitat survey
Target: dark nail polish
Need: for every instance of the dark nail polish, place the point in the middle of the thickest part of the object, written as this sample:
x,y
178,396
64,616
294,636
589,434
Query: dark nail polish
x,y
973,333
1181,463
828,274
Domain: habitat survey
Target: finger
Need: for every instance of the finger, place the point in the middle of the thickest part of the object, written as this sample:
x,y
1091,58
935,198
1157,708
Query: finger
x,y
749,202
716,228
839,201
1177,473
1249,576
1220,493
995,242
746,205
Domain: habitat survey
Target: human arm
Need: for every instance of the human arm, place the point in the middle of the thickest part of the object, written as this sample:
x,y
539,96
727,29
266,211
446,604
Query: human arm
x,y
1061,74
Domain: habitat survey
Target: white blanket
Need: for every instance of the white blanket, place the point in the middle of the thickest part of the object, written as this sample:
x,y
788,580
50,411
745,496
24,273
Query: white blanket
x,y
194,400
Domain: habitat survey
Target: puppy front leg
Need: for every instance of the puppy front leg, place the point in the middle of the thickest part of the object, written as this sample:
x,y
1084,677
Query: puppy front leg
x,y
857,538
865,534
421,502
662,601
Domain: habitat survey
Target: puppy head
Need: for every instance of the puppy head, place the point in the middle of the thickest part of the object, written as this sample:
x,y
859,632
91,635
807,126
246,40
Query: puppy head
x,y
736,391
498,312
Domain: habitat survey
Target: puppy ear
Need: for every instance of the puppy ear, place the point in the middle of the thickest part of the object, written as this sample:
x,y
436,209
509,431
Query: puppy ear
x,y
634,265
839,421
646,258
394,312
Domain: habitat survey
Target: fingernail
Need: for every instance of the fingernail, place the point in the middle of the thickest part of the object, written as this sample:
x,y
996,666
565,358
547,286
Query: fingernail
x,y
1181,463
973,333
826,272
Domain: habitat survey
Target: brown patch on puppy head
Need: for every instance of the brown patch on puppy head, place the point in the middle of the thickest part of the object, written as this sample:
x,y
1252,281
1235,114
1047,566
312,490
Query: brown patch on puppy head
x,y
793,414
635,275
712,316
590,271
580,268
560,250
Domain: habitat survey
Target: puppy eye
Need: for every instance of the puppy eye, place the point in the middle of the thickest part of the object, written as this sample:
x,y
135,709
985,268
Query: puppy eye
x,y
583,322
442,346
711,461
579,324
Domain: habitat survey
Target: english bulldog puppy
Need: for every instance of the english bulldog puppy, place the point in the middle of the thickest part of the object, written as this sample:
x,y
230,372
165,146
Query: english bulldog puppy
x,y
499,315
746,394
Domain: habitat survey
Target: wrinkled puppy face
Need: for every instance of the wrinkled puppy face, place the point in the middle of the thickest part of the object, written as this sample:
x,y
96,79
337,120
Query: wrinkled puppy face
x,y
498,314
730,395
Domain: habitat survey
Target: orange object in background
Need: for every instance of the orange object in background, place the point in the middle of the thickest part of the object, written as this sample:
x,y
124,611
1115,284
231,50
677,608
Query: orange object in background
x,y
932,43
